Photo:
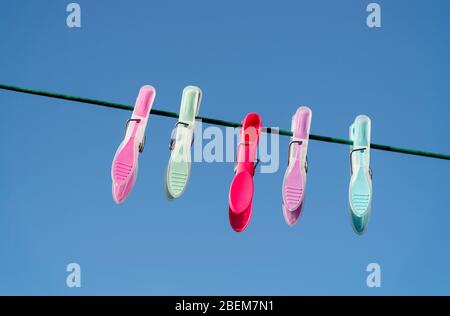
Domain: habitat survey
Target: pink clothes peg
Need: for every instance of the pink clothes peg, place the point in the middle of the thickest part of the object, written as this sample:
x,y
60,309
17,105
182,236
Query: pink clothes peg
x,y
294,183
240,197
125,163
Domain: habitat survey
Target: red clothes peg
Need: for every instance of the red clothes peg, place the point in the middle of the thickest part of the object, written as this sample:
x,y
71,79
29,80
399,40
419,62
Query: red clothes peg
x,y
240,197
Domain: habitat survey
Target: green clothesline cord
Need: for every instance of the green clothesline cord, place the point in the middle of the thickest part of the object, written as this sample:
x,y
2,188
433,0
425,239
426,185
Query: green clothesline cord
x,y
220,122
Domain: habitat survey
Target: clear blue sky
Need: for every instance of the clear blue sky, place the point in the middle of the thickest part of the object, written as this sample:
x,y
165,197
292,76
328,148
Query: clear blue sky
x,y
265,56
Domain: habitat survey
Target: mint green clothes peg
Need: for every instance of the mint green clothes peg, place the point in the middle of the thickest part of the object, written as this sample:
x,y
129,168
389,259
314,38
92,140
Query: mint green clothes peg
x,y
360,189
179,166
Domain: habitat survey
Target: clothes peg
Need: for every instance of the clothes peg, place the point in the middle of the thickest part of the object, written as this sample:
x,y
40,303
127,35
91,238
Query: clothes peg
x,y
179,166
125,163
240,197
360,189
294,183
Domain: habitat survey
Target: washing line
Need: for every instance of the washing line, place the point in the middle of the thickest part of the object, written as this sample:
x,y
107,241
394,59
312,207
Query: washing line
x,y
213,121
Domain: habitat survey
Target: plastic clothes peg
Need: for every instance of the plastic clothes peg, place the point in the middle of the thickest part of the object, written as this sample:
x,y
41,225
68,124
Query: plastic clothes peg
x,y
240,197
294,183
360,189
125,163
179,166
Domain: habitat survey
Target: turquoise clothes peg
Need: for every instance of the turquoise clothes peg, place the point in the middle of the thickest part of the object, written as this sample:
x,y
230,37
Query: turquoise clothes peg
x,y
360,189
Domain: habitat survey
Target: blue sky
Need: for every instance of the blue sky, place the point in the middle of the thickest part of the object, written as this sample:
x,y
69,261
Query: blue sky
x,y
264,56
